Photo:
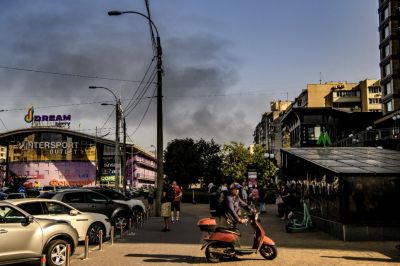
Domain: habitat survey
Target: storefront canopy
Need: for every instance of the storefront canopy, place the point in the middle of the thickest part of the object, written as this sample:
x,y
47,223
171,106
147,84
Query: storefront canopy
x,y
350,160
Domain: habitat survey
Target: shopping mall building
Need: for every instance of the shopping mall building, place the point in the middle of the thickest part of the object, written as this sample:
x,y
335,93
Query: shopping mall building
x,y
57,156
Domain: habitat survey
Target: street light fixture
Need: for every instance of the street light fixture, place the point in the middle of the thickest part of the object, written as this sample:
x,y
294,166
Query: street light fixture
x,y
160,166
117,123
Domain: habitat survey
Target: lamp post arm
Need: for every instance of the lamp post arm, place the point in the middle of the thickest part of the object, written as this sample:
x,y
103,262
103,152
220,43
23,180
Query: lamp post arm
x,y
118,13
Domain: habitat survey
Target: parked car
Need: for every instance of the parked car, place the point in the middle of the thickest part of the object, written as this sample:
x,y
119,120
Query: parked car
x,y
91,201
86,223
3,196
25,238
136,205
16,195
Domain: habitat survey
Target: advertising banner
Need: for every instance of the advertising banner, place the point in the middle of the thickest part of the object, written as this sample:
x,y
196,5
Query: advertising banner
x,y
40,174
252,179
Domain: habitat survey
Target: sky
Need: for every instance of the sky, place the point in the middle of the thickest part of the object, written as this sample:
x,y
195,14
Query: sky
x,y
224,61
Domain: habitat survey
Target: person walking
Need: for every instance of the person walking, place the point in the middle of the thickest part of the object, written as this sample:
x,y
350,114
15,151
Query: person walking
x,y
150,199
254,196
213,198
244,193
176,202
262,200
166,199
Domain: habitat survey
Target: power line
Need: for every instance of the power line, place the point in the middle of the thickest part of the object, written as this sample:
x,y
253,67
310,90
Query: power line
x,y
142,81
141,95
145,113
67,74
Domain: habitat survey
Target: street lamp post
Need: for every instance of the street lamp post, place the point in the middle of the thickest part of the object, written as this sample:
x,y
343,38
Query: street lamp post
x,y
160,166
117,123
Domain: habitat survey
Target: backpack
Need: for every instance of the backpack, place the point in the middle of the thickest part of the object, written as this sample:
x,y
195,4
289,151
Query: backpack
x,y
170,193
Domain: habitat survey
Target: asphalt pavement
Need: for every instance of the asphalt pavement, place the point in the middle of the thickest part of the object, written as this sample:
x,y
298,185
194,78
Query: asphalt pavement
x,y
147,245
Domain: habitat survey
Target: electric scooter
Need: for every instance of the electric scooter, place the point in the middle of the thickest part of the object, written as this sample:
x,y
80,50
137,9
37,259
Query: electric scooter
x,y
295,225
221,242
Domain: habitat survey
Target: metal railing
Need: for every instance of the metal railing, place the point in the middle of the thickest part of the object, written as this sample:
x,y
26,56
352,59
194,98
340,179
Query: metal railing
x,y
372,136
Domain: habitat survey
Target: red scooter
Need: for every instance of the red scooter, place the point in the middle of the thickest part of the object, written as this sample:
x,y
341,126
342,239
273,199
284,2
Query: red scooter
x,y
221,242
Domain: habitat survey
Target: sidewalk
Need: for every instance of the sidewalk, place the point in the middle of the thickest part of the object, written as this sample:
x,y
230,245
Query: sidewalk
x,y
181,246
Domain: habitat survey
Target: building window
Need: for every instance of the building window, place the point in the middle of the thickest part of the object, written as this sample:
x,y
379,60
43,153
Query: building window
x,y
347,93
389,106
387,88
374,90
385,13
374,100
387,70
385,51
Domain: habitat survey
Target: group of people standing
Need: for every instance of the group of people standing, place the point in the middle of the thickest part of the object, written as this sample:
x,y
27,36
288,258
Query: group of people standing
x,y
250,195
170,203
227,200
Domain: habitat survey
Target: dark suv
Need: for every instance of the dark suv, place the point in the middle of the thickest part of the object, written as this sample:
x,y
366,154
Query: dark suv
x,y
90,201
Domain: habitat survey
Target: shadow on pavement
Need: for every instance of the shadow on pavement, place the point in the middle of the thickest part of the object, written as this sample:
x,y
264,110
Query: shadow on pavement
x,y
382,260
171,258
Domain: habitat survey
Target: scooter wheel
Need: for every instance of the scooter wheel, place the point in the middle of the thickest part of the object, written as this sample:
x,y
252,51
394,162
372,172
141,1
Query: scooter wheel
x,y
269,252
211,255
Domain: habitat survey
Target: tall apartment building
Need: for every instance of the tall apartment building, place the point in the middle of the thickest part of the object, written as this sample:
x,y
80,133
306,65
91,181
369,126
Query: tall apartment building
x,y
268,130
389,33
364,96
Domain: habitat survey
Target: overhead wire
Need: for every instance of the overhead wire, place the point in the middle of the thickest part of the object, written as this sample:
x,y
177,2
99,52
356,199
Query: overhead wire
x,y
141,95
67,74
145,113
140,84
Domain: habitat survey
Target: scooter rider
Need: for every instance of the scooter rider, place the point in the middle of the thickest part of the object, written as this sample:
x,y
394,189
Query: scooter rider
x,y
231,206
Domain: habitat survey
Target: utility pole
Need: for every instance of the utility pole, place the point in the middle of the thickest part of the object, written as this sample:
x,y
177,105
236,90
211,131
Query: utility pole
x,y
160,148
124,159
117,149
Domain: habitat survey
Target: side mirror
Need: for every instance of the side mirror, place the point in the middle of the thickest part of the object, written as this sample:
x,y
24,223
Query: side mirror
x,y
73,213
29,219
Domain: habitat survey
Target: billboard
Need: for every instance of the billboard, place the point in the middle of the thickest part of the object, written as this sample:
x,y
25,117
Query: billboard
x,y
40,174
51,147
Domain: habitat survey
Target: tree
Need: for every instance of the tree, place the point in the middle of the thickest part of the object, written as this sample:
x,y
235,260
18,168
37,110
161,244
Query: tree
x,y
211,161
235,160
183,162
266,169
187,161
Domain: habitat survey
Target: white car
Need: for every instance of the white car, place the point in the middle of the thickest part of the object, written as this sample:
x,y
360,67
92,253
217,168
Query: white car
x,y
86,223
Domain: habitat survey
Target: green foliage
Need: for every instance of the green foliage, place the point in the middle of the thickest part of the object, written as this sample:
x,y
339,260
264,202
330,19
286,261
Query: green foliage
x,y
211,160
182,161
266,168
235,159
186,161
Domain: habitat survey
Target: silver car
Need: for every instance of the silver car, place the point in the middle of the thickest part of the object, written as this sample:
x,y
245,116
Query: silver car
x,y
25,238
86,223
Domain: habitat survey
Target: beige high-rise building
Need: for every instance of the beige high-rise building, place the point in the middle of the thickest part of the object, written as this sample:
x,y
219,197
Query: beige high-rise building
x,y
364,96
371,95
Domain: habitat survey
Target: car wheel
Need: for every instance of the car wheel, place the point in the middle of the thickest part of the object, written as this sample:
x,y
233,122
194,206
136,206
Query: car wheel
x,y
56,253
121,220
94,231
